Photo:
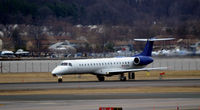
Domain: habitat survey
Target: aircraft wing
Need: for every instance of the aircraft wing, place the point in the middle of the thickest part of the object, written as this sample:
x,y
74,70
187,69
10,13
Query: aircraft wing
x,y
121,70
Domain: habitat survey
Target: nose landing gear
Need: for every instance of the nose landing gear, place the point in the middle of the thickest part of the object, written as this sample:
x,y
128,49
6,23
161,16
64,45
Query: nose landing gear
x,y
100,78
60,79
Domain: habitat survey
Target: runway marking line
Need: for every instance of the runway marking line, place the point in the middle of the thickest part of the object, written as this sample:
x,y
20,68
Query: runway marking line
x,y
101,90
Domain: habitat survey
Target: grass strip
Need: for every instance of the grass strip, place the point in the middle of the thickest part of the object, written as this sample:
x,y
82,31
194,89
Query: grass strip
x,y
102,91
47,77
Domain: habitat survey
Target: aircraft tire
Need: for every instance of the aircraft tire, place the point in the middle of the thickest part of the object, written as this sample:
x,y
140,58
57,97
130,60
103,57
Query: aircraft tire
x,y
60,80
101,78
123,79
131,75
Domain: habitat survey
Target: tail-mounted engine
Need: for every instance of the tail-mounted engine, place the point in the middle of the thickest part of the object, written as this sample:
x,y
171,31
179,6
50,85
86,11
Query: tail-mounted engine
x,y
142,60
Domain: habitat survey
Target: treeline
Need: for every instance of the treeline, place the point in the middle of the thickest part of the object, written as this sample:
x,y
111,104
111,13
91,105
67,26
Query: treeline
x,y
114,12
27,23
34,11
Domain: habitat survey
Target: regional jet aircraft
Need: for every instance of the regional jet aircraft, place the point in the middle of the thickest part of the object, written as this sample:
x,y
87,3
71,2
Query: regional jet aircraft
x,y
102,67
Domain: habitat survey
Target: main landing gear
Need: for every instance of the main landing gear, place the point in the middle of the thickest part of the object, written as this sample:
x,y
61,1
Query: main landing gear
x,y
60,79
122,77
100,77
131,75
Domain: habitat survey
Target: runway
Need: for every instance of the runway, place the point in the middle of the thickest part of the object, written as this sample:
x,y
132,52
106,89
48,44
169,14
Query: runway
x,y
128,101
96,84
105,96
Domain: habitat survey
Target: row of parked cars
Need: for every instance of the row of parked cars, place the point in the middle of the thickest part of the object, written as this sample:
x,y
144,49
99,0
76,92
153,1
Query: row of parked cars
x,y
11,54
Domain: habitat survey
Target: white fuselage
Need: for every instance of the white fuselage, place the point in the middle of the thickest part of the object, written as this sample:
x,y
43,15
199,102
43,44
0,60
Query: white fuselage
x,y
93,65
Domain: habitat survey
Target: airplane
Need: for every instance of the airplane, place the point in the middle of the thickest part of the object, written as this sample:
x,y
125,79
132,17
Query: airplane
x,y
105,67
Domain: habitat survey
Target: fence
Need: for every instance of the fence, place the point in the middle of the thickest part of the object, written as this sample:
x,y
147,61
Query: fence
x,y
177,63
28,66
49,65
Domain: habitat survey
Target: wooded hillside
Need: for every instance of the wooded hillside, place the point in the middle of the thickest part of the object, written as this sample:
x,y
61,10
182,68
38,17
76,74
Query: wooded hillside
x,y
114,12
27,23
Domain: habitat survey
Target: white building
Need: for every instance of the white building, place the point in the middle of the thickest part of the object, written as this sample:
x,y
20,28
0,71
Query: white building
x,y
63,48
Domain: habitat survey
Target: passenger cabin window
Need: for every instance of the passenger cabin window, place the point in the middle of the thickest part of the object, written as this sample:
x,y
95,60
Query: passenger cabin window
x,y
70,64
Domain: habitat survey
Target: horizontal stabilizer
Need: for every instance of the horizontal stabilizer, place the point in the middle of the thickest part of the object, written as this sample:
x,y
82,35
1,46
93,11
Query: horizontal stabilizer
x,y
154,39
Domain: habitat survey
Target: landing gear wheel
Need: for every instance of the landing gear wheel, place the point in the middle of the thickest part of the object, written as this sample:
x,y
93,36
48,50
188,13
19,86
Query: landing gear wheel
x,y
60,79
131,75
122,77
101,78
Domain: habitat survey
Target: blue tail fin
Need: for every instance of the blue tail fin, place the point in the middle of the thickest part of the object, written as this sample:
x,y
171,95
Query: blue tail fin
x,y
148,49
149,45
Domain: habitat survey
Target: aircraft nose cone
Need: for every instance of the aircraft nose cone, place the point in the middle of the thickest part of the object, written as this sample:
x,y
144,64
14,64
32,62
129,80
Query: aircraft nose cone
x,y
59,70
55,71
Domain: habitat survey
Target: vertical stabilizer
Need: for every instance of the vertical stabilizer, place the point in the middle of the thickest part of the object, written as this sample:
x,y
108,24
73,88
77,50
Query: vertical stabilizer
x,y
147,49
149,45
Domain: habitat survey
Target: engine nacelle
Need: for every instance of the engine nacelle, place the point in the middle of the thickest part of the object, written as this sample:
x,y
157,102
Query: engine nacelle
x,y
142,60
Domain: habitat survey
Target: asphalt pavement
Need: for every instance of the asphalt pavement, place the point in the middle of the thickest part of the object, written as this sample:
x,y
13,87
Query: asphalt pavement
x,y
128,101
97,84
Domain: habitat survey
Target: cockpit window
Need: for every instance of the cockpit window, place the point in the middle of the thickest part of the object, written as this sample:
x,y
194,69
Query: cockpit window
x,y
66,64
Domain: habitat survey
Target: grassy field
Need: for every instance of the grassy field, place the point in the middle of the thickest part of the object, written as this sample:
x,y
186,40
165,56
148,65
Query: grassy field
x,y
47,77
